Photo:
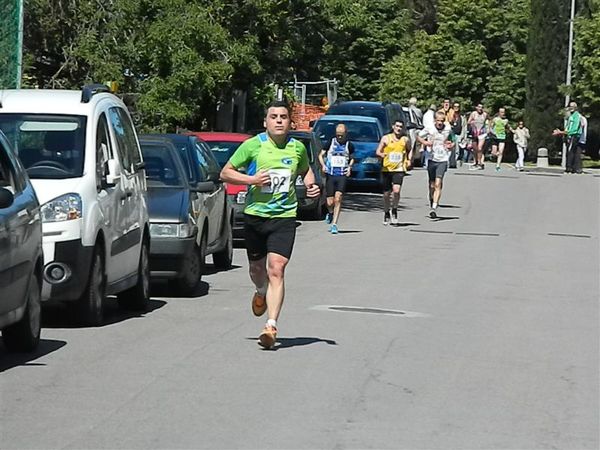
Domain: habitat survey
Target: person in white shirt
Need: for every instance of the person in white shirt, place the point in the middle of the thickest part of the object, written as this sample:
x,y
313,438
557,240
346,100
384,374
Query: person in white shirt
x,y
428,123
441,141
521,137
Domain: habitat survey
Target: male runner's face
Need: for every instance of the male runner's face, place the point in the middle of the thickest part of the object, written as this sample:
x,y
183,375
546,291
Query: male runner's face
x,y
502,112
439,123
479,108
521,124
277,121
397,128
341,135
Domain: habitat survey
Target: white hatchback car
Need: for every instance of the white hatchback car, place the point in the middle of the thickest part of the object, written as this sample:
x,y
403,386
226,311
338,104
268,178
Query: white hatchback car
x,y
82,154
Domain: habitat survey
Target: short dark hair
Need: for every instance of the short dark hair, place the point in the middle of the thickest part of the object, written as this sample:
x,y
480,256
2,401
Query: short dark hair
x,y
278,104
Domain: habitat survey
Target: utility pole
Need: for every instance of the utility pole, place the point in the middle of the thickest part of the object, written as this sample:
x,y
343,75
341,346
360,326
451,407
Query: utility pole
x,y
569,71
19,71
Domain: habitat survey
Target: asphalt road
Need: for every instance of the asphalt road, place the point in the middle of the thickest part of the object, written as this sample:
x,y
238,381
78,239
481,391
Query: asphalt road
x,y
479,330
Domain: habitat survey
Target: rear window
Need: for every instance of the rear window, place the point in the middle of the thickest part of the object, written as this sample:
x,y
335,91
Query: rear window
x,y
49,146
357,131
222,150
161,167
344,109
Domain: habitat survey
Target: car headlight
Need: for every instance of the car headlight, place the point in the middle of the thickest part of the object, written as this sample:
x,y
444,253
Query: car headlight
x,y
370,160
65,207
174,230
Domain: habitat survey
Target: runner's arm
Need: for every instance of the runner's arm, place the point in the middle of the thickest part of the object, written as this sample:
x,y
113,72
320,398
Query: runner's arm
x,y
321,160
380,147
312,188
231,175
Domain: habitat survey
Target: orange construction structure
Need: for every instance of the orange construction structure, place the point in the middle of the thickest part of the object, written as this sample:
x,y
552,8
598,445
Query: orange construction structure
x,y
303,114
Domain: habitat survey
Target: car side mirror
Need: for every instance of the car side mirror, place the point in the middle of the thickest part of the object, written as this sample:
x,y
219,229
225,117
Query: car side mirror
x,y
204,187
214,177
6,198
113,173
139,166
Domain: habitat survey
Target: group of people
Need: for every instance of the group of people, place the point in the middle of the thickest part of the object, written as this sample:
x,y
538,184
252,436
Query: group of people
x,y
475,133
272,161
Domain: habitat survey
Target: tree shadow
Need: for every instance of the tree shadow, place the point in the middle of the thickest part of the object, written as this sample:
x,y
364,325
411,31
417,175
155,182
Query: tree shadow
x,y
10,360
365,202
210,269
165,289
63,315
297,342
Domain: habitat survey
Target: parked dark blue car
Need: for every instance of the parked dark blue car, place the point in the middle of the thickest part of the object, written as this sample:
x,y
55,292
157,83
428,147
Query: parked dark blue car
x,y
364,133
190,215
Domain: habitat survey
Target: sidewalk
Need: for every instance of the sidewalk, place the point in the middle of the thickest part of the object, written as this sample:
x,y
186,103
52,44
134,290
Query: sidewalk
x,y
558,170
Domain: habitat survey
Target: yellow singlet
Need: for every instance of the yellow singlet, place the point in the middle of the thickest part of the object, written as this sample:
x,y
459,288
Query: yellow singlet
x,y
394,154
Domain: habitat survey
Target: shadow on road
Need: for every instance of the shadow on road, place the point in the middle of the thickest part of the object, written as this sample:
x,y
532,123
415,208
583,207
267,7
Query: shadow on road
x,y
442,218
404,224
449,206
11,360
349,231
300,341
164,289
211,269
62,316
364,202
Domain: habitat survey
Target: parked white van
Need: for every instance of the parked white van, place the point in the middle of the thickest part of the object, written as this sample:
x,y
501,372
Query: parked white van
x,y
82,154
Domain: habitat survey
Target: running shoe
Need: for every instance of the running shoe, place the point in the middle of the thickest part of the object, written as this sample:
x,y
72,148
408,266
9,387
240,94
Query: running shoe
x,y
333,229
386,218
433,214
328,218
497,168
481,166
268,337
259,304
474,167
394,217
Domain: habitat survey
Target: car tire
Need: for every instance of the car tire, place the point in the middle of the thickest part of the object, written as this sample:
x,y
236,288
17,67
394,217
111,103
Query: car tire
x,y
137,297
193,269
224,258
24,336
89,309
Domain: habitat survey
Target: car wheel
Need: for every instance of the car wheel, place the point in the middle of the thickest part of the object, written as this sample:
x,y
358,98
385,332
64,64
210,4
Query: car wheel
x,y
224,258
89,309
24,336
137,297
193,269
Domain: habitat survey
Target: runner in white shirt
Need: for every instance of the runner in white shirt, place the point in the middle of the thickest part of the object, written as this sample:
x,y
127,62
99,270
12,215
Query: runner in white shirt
x,y
440,140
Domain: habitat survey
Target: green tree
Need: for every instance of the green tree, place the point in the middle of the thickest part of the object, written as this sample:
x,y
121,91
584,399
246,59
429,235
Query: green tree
x,y
546,68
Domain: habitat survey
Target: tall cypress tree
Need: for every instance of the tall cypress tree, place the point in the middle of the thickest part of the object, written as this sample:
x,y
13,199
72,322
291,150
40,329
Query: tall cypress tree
x,y
546,69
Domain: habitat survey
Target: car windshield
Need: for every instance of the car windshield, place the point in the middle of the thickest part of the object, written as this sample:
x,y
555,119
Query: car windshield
x,y
309,144
345,109
161,167
222,150
50,146
357,131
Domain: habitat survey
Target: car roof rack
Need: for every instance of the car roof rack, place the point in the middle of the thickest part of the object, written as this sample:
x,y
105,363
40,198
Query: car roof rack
x,y
90,90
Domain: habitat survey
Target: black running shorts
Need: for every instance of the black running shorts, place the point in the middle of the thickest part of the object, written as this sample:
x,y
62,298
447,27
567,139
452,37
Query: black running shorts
x,y
437,169
390,178
335,183
264,236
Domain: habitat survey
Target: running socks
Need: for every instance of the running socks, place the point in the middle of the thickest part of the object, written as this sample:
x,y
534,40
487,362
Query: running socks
x,y
272,323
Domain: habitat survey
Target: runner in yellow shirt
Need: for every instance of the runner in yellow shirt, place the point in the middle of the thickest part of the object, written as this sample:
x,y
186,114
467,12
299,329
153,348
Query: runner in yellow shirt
x,y
394,150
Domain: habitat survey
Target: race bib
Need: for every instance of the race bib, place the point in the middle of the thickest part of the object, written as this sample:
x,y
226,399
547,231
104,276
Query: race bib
x,y
280,182
395,157
338,161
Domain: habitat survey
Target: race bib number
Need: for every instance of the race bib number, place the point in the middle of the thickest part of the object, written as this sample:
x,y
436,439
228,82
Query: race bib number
x,y
395,157
280,182
338,161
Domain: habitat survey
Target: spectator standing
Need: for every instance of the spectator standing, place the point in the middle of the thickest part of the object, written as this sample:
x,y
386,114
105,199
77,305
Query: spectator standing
x,y
572,134
521,137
